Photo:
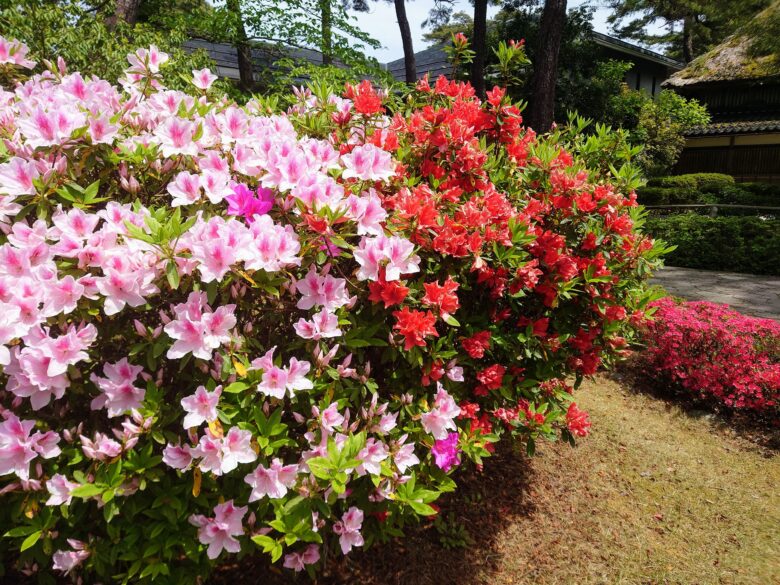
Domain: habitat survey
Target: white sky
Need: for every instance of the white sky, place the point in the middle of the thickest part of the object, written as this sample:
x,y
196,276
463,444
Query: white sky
x,y
381,23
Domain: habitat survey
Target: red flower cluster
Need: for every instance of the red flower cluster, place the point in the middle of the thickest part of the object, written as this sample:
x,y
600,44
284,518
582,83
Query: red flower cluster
x,y
390,293
477,344
490,379
365,98
442,296
415,326
577,421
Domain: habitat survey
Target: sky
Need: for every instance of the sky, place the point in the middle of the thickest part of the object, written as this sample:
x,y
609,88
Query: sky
x,y
381,23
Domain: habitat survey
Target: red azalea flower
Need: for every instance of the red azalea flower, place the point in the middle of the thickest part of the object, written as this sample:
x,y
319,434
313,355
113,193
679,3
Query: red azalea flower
x,y
577,420
390,293
476,345
491,378
442,296
365,100
415,326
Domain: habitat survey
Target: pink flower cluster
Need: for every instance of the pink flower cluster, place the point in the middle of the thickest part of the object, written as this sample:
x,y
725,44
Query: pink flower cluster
x,y
716,354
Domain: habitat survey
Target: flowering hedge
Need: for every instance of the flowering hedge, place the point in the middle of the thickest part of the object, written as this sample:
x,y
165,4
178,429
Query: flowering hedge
x,y
226,331
716,354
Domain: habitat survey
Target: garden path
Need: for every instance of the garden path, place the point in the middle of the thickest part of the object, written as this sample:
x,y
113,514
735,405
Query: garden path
x,y
747,293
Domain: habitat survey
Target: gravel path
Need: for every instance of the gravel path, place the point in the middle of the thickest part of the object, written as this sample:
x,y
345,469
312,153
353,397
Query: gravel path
x,y
747,293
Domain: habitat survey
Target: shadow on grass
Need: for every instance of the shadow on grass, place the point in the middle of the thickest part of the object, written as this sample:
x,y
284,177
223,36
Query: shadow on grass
x,y
761,430
484,503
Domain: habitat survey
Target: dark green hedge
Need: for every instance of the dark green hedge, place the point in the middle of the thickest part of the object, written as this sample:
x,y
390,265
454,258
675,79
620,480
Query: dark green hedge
x,y
707,188
734,244
706,182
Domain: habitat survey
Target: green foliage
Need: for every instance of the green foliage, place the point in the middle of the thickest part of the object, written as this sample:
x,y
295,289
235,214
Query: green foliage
x,y
657,124
737,244
707,22
291,23
288,73
80,36
511,62
708,188
706,182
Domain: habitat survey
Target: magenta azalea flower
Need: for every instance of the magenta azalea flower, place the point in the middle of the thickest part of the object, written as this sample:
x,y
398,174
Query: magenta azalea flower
x,y
246,204
446,453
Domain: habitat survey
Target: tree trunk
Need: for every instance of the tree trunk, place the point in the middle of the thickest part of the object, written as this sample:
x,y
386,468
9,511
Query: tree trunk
x,y
410,65
326,11
542,102
124,10
687,48
246,76
479,44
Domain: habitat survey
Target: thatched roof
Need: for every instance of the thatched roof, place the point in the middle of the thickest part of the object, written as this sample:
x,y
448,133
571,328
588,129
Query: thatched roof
x,y
752,53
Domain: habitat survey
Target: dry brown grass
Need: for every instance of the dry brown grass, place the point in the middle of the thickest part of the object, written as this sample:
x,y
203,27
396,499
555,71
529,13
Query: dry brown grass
x,y
653,496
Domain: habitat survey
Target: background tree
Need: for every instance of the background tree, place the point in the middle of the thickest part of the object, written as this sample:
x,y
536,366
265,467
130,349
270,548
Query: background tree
x,y
479,46
692,26
92,41
410,62
542,103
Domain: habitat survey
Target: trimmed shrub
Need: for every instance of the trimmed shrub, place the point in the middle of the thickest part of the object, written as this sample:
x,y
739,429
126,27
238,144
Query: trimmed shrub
x,y
706,182
667,196
226,331
737,244
686,182
760,194
715,354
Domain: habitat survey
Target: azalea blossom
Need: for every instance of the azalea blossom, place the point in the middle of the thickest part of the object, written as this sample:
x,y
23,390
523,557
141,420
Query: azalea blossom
x,y
446,452
201,407
371,457
203,78
348,529
177,456
198,329
61,490
272,481
67,560
322,325
118,392
278,381
441,417
101,448
220,531
368,163
18,448
218,455
324,291
297,561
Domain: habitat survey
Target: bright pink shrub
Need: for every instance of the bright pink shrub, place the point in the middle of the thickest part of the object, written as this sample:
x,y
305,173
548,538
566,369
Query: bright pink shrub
x,y
716,353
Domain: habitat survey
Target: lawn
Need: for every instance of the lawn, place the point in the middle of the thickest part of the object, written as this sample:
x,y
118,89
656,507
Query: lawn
x,y
654,495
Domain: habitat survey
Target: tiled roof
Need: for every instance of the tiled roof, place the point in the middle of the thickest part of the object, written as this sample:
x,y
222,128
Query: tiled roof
x,y
435,62
735,127
226,59
432,60
635,50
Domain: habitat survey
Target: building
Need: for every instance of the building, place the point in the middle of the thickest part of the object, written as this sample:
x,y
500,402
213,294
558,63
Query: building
x,y
264,58
649,71
739,82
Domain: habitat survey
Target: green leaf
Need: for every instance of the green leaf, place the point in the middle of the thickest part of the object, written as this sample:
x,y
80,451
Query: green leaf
x,y
20,531
320,467
30,540
88,490
236,387
450,320
172,274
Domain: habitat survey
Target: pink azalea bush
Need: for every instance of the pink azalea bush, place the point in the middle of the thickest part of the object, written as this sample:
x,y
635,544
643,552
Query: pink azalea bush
x,y
227,332
716,354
